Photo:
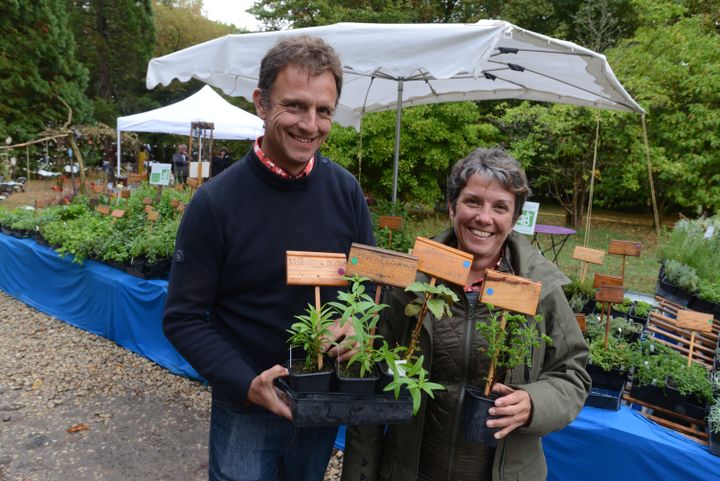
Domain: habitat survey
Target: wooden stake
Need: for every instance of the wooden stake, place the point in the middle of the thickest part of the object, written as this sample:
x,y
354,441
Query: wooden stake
x,y
608,308
692,346
493,362
419,323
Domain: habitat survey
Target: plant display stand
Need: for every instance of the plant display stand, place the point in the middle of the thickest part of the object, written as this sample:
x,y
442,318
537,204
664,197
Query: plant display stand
x,y
665,330
686,425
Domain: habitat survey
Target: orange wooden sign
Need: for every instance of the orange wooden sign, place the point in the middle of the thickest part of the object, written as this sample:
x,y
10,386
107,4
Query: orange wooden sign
x,y
181,207
174,202
148,209
125,194
147,201
607,280
315,268
390,221
103,209
610,294
694,321
625,248
585,254
153,215
117,213
441,261
382,266
580,318
135,178
191,182
510,292
179,187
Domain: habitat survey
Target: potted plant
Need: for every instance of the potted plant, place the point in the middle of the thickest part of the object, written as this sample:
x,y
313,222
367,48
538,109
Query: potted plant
x,y
437,298
579,295
311,373
511,339
713,423
608,369
640,312
621,328
358,375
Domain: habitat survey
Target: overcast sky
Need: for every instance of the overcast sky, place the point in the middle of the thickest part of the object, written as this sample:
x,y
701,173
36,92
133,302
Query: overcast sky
x,y
231,11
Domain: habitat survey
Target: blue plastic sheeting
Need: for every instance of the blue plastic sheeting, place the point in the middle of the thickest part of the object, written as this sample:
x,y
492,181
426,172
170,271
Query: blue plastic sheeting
x,y
93,297
601,445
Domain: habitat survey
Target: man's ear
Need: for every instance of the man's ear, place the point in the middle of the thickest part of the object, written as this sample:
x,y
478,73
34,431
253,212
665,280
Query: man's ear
x,y
257,100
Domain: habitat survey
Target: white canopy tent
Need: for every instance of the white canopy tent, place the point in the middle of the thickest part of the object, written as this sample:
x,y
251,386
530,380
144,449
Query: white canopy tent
x,y
206,105
388,66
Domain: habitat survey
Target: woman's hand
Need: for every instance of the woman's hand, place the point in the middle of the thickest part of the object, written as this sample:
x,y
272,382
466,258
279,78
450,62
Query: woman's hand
x,y
514,407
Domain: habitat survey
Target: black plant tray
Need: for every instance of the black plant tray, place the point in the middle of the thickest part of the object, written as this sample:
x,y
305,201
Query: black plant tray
x,y
604,398
334,409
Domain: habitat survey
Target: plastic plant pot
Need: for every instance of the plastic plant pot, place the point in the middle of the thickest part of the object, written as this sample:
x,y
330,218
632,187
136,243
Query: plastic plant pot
x,y
475,415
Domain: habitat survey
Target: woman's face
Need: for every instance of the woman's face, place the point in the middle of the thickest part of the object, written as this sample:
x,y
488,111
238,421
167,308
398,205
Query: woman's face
x,y
482,219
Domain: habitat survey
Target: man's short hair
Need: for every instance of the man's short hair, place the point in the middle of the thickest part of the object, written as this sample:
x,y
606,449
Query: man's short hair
x,y
310,54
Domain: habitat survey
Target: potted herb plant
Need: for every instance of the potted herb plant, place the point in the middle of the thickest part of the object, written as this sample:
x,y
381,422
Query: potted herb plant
x,y
311,374
511,339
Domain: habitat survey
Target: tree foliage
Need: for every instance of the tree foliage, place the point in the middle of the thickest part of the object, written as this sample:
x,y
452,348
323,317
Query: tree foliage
x,y
38,66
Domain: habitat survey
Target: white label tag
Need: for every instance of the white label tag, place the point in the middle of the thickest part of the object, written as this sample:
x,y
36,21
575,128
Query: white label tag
x,y
709,232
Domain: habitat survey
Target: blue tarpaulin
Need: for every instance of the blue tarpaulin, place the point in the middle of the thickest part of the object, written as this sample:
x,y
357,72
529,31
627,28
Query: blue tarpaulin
x,y
599,445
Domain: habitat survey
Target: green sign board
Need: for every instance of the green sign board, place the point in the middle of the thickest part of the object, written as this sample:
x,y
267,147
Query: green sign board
x,y
160,174
528,218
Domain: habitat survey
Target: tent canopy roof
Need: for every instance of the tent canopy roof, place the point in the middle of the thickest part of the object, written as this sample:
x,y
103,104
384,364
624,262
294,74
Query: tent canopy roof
x,y
206,105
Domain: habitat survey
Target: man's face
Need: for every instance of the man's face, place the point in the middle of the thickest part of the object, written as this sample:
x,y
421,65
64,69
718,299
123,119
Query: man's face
x,y
298,117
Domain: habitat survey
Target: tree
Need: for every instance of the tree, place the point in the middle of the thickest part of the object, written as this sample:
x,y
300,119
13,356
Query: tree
x,y
118,39
39,67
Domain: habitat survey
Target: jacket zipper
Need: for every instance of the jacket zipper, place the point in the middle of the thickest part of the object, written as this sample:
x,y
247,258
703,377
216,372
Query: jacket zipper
x,y
469,330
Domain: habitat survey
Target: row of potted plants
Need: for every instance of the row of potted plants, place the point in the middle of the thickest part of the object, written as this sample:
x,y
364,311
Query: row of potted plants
x,y
131,242
690,270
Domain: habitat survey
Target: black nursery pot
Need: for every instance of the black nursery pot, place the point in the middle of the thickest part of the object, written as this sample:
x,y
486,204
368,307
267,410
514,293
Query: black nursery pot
x,y
301,381
475,415
714,441
351,384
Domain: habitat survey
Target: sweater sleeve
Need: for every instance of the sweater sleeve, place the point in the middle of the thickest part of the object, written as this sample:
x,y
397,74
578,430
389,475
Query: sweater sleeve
x,y
562,385
187,321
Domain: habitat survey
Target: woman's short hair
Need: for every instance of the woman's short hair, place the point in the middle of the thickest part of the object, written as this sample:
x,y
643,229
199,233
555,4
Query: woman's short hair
x,y
310,54
491,164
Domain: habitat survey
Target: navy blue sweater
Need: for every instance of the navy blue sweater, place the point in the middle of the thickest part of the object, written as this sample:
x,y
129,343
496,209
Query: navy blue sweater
x,y
228,305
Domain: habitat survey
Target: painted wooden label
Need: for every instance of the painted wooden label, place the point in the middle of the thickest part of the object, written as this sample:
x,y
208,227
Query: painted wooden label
x,y
382,266
117,213
148,209
611,294
315,268
607,280
441,261
153,215
191,182
179,187
593,256
514,293
390,221
174,202
135,178
125,194
103,209
694,321
147,200
625,248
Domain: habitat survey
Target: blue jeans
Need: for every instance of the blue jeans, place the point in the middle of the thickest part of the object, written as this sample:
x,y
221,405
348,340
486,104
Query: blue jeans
x,y
252,444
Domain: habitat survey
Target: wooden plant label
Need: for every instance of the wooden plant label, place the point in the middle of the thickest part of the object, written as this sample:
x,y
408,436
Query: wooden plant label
x,y
607,280
153,215
103,209
191,182
125,194
585,254
117,213
179,187
315,268
580,318
391,222
625,248
694,321
174,202
148,209
135,178
147,201
513,293
610,294
382,266
181,207
441,261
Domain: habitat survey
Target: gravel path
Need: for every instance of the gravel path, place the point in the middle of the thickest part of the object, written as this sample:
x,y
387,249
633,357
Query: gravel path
x,y
77,407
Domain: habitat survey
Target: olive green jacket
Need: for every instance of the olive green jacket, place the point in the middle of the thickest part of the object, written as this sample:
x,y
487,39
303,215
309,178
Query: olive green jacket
x,y
557,382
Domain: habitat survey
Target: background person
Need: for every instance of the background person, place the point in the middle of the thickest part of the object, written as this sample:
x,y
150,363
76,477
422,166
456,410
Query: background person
x,y
486,192
181,164
228,305
220,162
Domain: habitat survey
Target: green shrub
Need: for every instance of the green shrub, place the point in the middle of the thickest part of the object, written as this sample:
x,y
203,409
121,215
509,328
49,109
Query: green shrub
x,y
682,275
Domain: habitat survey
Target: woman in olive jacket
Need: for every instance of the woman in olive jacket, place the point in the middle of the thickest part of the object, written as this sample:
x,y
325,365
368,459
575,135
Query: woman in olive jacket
x,y
486,192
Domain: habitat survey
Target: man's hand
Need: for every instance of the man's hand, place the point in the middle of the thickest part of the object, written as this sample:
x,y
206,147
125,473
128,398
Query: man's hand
x,y
514,406
264,393
346,348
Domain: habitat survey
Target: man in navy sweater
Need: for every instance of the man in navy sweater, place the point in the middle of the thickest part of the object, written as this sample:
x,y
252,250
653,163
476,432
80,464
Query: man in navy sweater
x,y
228,304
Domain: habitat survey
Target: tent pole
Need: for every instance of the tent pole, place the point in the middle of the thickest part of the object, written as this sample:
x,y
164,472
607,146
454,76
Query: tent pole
x,y
118,152
592,181
398,118
650,177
